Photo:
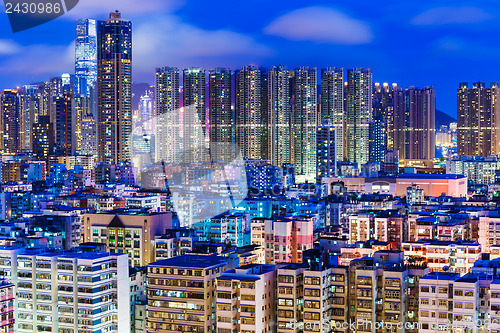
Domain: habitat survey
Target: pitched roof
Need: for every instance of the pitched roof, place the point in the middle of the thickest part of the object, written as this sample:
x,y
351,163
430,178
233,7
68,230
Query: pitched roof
x,y
116,223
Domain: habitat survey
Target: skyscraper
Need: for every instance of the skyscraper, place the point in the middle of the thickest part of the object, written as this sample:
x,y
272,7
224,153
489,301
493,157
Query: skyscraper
x,y
55,90
24,120
221,120
383,106
114,89
414,123
304,123
146,113
10,108
478,119
85,57
194,116
89,135
325,150
378,139
167,144
79,113
332,104
358,106
42,138
248,109
64,125
277,115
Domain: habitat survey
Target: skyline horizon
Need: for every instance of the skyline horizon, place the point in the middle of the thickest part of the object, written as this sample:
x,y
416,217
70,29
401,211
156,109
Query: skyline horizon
x,y
422,49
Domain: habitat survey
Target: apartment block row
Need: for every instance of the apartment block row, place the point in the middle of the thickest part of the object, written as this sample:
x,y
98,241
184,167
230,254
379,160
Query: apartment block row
x,y
198,293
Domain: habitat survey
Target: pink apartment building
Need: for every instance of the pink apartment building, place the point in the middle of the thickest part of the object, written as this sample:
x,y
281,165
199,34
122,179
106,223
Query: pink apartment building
x,y
6,306
287,237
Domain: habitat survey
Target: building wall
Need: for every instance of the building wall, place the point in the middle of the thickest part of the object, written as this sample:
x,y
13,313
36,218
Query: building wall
x,y
185,294
61,291
247,304
140,230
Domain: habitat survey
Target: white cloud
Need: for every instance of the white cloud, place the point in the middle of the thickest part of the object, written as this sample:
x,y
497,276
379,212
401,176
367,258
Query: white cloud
x,y
166,41
320,24
101,8
451,15
8,46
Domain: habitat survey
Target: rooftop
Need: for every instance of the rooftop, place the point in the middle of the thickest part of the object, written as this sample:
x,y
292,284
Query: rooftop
x,y
429,176
441,276
191,261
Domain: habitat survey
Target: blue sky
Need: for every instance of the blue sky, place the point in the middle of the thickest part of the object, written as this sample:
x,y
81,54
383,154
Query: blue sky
x,y
435,43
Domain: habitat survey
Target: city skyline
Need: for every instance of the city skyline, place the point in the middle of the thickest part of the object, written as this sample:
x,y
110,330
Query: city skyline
x,y
427,45
238,193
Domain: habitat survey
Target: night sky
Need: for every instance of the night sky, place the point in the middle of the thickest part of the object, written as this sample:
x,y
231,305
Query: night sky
x,y
437,43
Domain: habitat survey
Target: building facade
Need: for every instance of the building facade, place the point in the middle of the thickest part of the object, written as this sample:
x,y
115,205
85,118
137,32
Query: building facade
x,y
304,123
167,122
114,89
358,113
414,123
478,129
183,291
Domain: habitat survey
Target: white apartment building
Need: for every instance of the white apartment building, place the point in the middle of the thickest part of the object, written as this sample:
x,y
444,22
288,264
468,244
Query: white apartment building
x,y
68,292
246,299
449,302
458,256
489,231
311,300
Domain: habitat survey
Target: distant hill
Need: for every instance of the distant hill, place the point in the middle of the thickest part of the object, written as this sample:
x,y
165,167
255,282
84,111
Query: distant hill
x,y
443,119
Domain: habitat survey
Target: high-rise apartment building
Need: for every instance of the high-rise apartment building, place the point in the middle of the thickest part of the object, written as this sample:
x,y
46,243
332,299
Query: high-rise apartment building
x,y
42,137
414,123
65,125
277,114
326,150
114,89
478,128
10,114
54,90
377,139
332,104
358,114
383,107
304,123
181,294
24,121
167,143
194,115
221,120
248,111
88,145
79,111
